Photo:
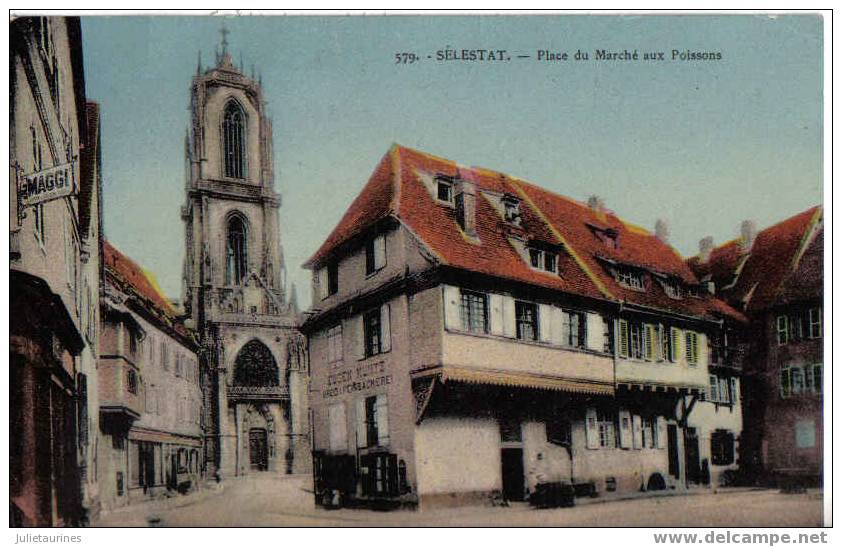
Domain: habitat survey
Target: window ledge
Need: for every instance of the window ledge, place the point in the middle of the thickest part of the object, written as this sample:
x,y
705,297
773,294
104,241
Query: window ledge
x,y
548,345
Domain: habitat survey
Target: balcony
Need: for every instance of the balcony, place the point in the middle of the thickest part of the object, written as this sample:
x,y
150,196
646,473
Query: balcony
x,y
119,393
729,357
258,393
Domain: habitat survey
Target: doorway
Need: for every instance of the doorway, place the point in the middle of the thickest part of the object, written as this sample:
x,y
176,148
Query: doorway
x,y
513,482
691,452
672,450
258,450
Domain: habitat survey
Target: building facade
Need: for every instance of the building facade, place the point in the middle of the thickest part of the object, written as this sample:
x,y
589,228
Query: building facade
x,y
475,337
150,390
234,281
776,276
54,275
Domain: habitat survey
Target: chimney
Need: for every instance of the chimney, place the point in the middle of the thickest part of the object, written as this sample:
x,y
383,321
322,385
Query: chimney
x,y
466,206
596,204
705,248
662,230
748,232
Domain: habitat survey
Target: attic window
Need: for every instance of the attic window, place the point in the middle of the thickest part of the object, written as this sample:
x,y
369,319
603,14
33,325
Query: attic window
x,y
672,288
633,279
541,259
511,209
444,189
608,236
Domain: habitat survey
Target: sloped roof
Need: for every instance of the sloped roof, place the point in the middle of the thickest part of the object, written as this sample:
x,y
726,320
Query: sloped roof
x,y
755,277
397,189
141,284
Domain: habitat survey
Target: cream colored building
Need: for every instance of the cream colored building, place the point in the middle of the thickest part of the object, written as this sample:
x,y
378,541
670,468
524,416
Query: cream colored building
x,y
473,336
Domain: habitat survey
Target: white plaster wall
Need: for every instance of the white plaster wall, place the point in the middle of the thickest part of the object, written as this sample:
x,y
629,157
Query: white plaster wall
x,y
457,455
496,353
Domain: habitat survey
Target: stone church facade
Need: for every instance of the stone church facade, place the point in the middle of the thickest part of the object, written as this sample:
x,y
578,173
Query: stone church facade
x,y
234,295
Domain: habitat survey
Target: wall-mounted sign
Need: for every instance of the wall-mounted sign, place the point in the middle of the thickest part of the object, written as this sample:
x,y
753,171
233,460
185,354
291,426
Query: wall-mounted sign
x,y
51,183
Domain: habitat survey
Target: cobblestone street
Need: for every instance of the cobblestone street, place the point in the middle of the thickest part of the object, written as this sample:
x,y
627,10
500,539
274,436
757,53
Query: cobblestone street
x,y
286,501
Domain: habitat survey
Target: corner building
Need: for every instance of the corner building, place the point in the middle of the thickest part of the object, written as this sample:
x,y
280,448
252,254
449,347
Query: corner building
x,y
474,337
234,283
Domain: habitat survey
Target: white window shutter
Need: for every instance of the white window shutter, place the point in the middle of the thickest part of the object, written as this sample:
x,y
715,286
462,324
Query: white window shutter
x,y
661,441
380,251
359,336
321,283
381,415
338,427
385,328
591,429
362,430
676,345
595,331
556,323
637,432
625,429
702,341
623,338
509,316
735,393
495,303
452,312
544,322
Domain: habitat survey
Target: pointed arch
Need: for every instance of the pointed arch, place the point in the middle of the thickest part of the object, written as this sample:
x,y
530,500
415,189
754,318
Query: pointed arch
x,y
255,366
234,140
236,249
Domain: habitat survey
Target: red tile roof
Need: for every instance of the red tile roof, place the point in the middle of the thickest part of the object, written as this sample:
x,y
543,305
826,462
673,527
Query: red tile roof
x,y
756,278
397,189
135,279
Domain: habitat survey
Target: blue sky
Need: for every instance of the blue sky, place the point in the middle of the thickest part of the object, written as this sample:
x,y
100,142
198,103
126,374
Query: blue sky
x,y
701,144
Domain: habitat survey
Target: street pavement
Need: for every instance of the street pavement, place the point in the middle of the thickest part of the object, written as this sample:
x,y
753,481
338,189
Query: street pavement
x,y
264,500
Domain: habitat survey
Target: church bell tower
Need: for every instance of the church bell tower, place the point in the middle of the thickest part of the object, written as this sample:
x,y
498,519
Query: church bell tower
x,y
234,291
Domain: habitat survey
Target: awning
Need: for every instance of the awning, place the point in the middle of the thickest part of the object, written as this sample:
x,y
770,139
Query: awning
x,y
163,437
516,379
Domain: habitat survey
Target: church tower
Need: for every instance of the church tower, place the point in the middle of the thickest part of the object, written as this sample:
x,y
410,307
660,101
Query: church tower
x,y
234,291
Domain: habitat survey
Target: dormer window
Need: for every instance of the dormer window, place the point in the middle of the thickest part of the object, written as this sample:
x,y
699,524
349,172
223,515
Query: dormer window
x,y
444,189
541,259
511,209
673,289
633,279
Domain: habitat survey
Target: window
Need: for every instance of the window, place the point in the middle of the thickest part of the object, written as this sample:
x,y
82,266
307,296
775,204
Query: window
x,y
724,395
783,330
334,344
375,254
650,432
798,379
234,141
337,427
510,431
624,337
635,340
815,322
607,430
474,310
573,328
559,432
372,332
607,335
722,447
131,381
237,251
526,317
333,278
630,278
511,209
672,288
373,421
713,392
444,190
164,356
805,433
691,347
543,260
